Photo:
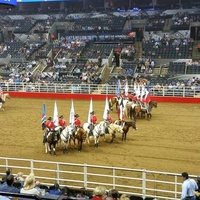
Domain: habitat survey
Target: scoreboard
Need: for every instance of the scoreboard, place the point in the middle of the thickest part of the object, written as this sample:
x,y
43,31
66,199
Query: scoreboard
x,y
4,4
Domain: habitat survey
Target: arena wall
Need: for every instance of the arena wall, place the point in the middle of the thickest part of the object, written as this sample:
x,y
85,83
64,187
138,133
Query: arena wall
x,y
45,95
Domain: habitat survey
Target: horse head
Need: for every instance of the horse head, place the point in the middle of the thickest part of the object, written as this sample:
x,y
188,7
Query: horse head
x,y
56,135
153,104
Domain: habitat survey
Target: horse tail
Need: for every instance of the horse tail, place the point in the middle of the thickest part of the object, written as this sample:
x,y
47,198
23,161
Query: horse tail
x,y
133,112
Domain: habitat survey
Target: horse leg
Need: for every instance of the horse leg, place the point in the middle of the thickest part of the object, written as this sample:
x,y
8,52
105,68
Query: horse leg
x,y
112,138
123,136
46,147
54,149
80,146
149,116
75,143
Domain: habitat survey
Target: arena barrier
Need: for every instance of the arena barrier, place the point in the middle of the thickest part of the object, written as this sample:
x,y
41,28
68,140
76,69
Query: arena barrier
x,y
144,183
96,92
49,95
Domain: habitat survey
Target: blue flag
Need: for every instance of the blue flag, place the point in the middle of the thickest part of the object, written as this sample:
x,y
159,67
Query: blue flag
x,y
118,88
44,118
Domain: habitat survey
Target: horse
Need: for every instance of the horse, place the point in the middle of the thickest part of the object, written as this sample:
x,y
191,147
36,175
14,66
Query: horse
x,y
87,129
135,110
3,100
153,104
97,132
113,129
80,136
144,110
65,137
113,101
125,127
52,139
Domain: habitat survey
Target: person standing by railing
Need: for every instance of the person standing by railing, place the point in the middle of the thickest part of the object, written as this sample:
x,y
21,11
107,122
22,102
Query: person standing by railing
x,y
189,187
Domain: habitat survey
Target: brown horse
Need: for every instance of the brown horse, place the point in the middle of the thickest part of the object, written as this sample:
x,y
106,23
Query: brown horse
x,y
135,110
80,136
113,101
144,111
125,127
52,139
153,104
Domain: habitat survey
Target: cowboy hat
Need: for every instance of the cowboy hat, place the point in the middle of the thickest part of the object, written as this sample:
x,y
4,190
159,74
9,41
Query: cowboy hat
x,y
76,115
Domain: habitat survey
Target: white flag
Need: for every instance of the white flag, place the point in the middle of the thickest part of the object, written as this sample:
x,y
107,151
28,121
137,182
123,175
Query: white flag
x,y
106,109
90,110
121,112
72,113
126,88
142,92
55,115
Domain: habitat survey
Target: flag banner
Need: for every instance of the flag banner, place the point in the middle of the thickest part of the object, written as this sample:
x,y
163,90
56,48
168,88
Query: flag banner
x,y
142,92
118,88
1,90
126,88
106,109
72,113
121,112
138,91
44,117
135,88
55,115
90,110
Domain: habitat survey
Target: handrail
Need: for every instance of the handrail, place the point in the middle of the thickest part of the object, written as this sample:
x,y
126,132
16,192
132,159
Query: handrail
x,y
174,91
141,182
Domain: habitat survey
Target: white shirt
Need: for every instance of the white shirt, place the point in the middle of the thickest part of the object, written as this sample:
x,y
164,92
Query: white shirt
x,y
188,188
31,191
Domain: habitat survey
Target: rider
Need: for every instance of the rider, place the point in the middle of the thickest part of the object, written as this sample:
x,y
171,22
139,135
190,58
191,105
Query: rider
x,y
108,121
62,122
93,121
49,125
77,121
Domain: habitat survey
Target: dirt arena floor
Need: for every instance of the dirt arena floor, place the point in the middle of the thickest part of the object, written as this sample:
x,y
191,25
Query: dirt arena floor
x,y
170,142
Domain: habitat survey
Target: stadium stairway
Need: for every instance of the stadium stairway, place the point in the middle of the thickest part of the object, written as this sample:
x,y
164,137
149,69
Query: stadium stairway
x,y
138,46
167,26
195,51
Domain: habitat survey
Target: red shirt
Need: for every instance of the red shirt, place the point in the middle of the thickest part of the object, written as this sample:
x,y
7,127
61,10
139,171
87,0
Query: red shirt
x,y
77,122
93,119
50,125
62,122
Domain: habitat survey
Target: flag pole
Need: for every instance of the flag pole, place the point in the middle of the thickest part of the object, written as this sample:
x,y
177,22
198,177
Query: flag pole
x,y
72,113
90,110
55,115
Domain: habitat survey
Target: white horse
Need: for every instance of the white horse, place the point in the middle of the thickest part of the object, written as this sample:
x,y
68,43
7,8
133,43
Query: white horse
x,y
113,129
3,100
87,129
65,136
99,130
